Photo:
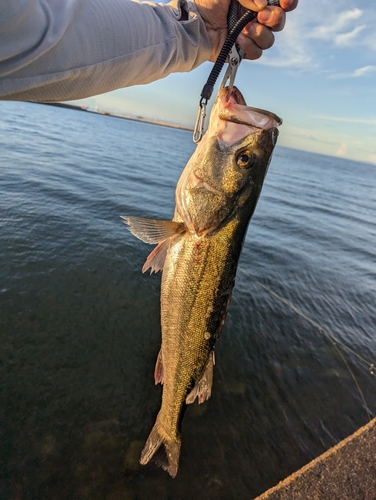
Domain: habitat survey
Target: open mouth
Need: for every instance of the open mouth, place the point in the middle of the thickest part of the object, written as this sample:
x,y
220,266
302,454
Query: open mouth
x,y
234,108
231,119
235,95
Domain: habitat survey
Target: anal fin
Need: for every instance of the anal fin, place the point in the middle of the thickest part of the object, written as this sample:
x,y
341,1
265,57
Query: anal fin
x,y
158,371
202,389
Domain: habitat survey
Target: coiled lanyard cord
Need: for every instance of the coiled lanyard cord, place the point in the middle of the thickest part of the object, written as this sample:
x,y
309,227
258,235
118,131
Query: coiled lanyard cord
x,y
234,32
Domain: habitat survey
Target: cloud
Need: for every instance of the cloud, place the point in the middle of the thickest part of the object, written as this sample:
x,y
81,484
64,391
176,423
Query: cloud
x,y
342,150
363,71
332,29
337,31
372,159
315,30
346,39
358,73
291,61
358,121
310,137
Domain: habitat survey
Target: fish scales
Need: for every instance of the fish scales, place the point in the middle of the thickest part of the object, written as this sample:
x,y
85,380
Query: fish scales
x,y
198,252
197,302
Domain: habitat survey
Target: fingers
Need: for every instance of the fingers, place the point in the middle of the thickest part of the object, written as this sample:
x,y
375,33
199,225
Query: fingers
x,y
257,5
273,17
254,39
288,5
257,37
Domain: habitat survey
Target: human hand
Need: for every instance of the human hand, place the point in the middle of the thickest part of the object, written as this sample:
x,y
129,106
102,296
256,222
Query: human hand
x,y
255,37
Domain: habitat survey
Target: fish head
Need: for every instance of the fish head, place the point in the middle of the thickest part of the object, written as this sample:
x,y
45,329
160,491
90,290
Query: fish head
x,y
229,165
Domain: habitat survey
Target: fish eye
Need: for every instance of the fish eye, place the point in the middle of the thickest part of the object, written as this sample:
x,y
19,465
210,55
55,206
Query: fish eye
x,y
245,159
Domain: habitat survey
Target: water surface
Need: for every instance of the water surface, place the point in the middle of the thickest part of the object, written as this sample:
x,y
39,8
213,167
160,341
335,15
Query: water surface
x,y
79,323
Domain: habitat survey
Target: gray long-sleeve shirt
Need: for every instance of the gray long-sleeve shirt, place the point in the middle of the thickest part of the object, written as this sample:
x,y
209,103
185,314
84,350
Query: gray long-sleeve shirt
x,y
54,50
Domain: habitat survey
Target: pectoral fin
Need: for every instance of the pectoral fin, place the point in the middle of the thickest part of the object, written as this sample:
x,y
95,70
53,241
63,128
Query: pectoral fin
x,y
153,230
202,390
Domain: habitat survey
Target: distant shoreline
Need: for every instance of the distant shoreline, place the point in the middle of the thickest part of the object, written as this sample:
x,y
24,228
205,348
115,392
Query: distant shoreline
x,y
115,115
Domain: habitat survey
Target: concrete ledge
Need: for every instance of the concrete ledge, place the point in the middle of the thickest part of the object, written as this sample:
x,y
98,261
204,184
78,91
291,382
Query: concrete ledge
x,y
345,472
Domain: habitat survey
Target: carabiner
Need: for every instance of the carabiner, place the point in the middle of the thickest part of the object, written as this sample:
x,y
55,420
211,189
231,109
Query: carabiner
x,y
200,122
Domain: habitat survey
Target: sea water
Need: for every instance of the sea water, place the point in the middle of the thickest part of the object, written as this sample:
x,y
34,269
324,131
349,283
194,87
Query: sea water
x,y
80,326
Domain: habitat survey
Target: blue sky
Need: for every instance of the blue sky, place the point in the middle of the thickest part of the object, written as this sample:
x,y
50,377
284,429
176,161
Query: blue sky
x,y
320,77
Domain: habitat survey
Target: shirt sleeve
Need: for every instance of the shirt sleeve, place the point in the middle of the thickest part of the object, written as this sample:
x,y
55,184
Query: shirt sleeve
x,y
56,50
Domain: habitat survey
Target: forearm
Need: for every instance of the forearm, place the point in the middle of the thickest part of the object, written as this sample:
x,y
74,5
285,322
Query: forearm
x,y
52,50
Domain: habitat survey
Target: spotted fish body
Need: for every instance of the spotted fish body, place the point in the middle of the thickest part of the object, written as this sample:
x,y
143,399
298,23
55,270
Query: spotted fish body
x,y
198,251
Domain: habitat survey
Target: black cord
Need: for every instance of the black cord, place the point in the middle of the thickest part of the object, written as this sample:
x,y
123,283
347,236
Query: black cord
x,y
234,32
208,88
235,27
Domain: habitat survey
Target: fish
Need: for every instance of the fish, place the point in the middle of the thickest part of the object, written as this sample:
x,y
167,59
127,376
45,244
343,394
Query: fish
x,y
198,252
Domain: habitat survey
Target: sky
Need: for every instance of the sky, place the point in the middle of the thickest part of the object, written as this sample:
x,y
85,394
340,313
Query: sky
x,y
320,77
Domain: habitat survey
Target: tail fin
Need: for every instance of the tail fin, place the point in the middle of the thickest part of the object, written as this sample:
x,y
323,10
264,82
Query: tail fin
x,y
162,451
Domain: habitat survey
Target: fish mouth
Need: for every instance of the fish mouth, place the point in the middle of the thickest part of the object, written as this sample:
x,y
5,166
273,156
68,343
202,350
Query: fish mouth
x,y
234,108
232,120
235,95
197,182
